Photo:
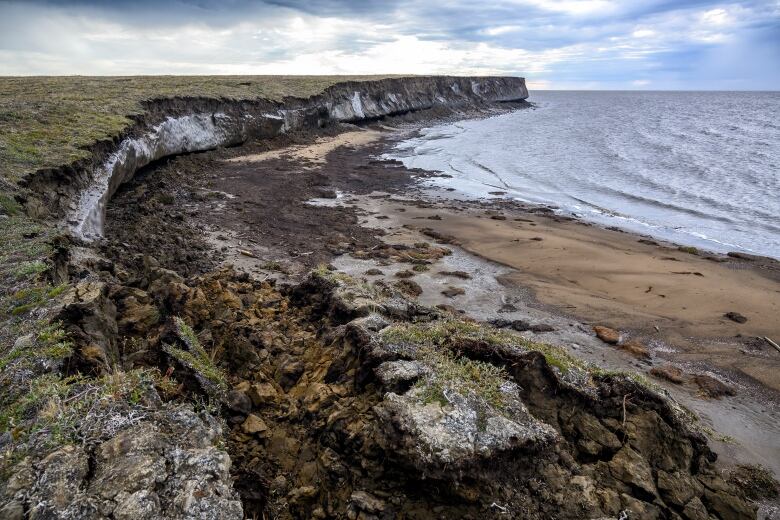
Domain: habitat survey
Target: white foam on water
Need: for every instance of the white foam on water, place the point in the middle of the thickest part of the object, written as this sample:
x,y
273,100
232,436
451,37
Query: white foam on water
x,y
696,168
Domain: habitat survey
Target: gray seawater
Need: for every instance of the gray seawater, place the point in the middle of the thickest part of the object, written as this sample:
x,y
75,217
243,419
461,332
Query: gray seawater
x,y
696,168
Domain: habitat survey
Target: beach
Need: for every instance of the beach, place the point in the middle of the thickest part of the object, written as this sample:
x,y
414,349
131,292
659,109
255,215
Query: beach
x,y
512,261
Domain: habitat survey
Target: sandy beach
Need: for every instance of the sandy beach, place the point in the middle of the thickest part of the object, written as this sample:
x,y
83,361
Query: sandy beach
x,y
608,277
277,209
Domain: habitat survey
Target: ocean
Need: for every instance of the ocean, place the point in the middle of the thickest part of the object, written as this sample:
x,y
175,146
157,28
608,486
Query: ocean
x,y
696,168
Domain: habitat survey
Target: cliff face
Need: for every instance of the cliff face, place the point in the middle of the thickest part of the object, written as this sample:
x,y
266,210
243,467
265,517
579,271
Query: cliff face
x,y
174,126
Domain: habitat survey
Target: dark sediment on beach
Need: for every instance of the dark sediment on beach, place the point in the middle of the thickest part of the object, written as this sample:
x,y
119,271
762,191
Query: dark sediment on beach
x,y
321,395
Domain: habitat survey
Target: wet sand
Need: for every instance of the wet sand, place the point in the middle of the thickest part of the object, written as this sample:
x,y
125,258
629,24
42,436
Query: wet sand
x,y
608,277
321,199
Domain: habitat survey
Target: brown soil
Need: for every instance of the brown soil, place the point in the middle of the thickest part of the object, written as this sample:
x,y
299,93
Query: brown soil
x,y
305,435
610,278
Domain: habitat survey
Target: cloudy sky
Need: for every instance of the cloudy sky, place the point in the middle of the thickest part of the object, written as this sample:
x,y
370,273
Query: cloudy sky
x,y
582,44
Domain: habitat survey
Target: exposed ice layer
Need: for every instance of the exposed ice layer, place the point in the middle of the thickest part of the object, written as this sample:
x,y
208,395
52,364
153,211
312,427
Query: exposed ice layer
x,y
206,130
173,136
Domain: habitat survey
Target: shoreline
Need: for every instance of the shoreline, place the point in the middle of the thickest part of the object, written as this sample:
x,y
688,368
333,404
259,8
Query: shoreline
x,y
476,172
345,205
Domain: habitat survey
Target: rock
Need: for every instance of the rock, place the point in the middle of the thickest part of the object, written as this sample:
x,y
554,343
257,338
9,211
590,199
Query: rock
x,y
165,466
170,458
405,274
373,272
452,292
542,327
678,488
712,387
594,436
726,505
457,274
398,376
239,402
409,287
520,325
253,425
630,467
289,372
141,504
367,502
500,323
302,494
498,217
262,394
374,322
607,335
695,510
668,372
636,349
640,509
440,438
735,316
59,484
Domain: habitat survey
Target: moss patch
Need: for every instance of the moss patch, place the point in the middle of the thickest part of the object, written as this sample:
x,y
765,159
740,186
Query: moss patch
x,y
464,376
454,331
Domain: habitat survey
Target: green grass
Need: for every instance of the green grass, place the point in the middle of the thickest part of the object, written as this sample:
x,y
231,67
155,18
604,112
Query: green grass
x,y
195,357
454,331
50,342
464,376
46,122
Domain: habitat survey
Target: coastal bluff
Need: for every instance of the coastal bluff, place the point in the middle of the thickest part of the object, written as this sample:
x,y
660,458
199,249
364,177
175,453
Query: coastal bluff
x,y
171,126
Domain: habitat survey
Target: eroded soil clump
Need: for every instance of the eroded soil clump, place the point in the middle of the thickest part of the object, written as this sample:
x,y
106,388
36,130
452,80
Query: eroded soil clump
x,y
344,399
328,397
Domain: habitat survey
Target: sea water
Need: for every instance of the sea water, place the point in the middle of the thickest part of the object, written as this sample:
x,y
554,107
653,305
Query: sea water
x,y
695,168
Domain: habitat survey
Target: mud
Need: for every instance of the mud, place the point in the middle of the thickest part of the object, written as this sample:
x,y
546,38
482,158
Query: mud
x,y
334,403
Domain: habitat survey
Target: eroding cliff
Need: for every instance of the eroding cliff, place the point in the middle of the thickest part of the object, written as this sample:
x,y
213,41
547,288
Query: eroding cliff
x,y
172,127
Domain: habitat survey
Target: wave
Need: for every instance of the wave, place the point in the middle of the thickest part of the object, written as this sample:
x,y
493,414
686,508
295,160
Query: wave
x,y
702,166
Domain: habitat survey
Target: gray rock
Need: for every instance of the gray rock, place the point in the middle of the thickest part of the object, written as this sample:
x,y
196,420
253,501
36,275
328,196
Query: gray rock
x,y
440,437
397,376
239,402
165,467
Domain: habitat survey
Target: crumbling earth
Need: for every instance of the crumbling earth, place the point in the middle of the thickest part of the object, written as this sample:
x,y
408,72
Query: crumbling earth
x,y
224,395
343,399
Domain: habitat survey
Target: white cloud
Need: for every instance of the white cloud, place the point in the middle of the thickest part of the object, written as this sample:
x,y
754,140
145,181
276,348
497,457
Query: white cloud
x,y
553,43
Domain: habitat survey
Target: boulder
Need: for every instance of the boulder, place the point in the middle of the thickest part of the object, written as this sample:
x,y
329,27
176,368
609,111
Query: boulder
x,y
607,335
668,372
712,387
254,425
442,437
735,317
678,488
630,467
262,394
398,376
636,349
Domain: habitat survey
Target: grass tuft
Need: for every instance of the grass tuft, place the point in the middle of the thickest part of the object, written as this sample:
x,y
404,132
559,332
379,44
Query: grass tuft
x,y
195,357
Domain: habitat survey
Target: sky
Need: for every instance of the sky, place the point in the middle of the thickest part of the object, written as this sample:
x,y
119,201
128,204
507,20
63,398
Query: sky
x,y
563,44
